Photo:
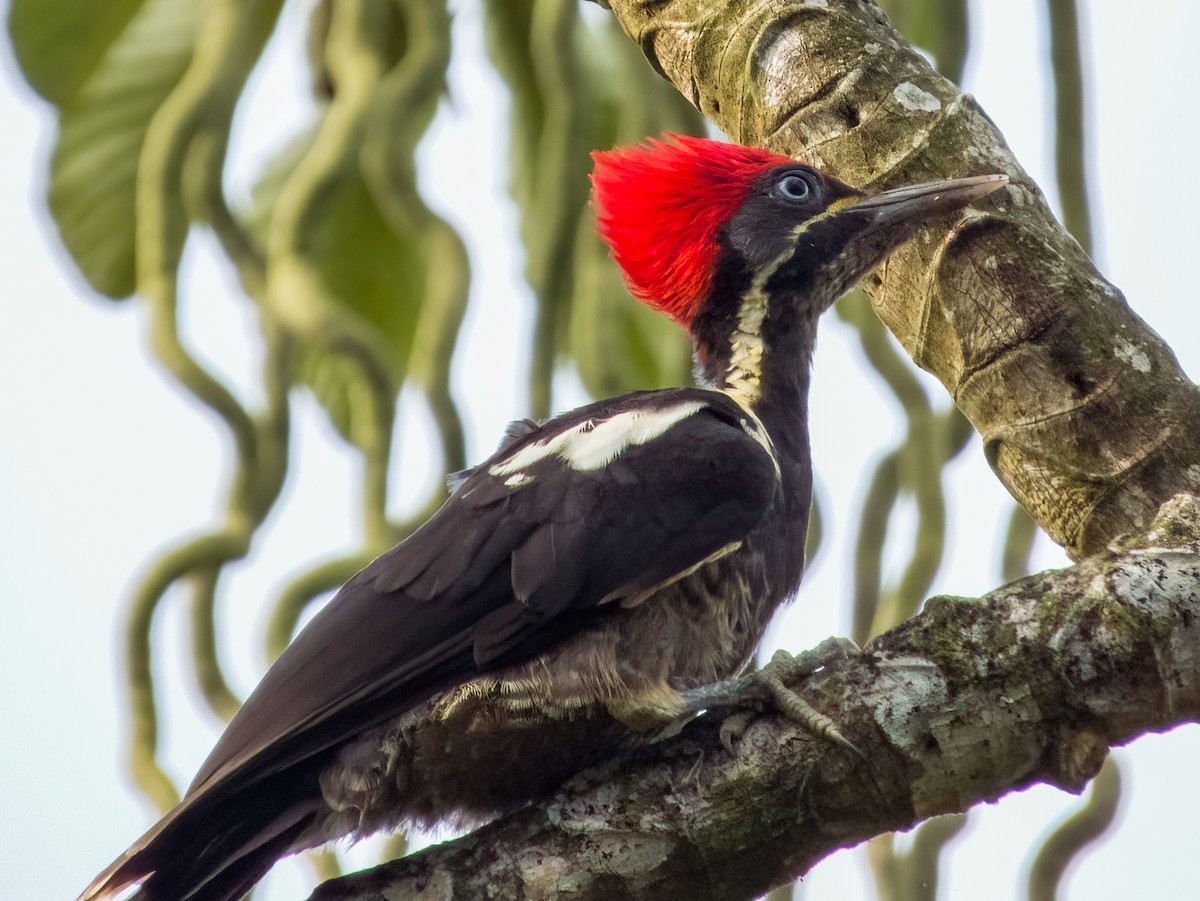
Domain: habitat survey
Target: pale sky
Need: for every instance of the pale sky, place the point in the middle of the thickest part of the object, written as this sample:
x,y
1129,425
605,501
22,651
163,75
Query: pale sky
x,y
105,463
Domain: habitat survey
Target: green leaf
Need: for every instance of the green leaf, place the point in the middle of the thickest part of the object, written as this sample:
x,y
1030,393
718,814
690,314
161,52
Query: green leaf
x,y
103,122
612,96
370,270
265,192
365,270
59,43
377,276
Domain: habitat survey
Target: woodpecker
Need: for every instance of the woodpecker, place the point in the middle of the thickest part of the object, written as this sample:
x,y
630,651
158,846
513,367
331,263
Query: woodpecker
x,y
582,581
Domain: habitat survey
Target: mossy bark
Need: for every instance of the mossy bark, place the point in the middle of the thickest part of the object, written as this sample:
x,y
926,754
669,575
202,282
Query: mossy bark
x,y
963,703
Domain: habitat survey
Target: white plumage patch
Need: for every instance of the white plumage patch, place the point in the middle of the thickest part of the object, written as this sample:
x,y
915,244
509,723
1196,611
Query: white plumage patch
x,y
592,445
746,349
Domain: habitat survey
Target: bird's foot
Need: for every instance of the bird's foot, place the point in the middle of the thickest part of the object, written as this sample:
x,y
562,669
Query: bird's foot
x,y
768,688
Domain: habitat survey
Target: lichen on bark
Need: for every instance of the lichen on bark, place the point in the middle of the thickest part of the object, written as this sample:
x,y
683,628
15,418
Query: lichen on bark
x,y
971,699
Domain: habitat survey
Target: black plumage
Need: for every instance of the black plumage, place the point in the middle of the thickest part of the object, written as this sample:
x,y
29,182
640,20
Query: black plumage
x,y
476,585
507,568
581,581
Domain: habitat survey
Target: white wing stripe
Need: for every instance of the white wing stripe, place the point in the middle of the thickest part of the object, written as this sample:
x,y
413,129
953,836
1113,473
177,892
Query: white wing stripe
x,y
592,445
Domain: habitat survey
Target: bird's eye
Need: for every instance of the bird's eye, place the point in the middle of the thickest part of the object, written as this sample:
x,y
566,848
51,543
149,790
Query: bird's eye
x,y
796,187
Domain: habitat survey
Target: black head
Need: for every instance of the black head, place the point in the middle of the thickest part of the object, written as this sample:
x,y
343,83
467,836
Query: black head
x,y
811,234
798,241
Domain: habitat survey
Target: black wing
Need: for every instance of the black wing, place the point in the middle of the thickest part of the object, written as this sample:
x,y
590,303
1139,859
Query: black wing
x,y
595,506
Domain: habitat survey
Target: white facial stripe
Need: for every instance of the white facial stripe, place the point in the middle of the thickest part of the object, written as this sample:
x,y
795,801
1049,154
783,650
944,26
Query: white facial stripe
x,y
836,207
592,445
746,350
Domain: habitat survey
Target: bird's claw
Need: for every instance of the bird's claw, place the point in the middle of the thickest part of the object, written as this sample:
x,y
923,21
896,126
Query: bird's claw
x,y
769,688
784,668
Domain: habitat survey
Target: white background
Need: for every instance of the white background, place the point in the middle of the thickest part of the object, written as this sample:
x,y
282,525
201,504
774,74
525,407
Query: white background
x,y
103,462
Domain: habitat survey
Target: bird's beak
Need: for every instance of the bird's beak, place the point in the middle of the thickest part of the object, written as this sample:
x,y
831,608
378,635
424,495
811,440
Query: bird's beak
x,y
918,202
870,227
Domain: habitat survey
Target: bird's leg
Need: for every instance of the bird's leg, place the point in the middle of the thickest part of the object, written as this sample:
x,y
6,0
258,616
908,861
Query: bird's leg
x,y
768,687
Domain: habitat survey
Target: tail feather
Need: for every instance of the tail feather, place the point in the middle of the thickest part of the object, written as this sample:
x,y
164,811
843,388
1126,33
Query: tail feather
x,y
230,867
201,855
131,867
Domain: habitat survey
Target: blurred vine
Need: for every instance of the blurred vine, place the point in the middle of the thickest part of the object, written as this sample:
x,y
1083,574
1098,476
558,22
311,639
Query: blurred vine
x,y
1097,814
578,84
360,289
1075,834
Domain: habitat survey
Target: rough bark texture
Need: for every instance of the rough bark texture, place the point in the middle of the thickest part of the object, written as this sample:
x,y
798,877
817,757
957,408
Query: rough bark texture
x,y
967,701
1084,412
1086,418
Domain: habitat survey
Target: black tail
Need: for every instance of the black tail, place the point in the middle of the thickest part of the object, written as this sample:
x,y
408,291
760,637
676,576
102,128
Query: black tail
x,y
226,869
208,852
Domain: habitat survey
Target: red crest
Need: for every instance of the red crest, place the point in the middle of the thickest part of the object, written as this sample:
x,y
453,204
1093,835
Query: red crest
x,y
660,206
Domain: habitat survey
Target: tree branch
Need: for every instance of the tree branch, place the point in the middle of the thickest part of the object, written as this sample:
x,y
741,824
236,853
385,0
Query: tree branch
x,y
969,700
1085,414
1085,417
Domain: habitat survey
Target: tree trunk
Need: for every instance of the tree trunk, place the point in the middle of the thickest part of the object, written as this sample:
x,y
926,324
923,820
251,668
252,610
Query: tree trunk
x,y
1086,418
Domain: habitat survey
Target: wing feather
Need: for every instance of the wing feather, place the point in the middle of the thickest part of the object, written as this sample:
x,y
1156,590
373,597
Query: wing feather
x,y
487,577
